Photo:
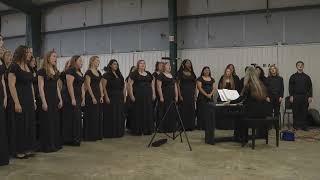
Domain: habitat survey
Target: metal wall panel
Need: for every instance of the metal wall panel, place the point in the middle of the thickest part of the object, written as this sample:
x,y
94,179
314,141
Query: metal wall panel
x,y
291,3
52,42
154,36
97,41
12,44
93,15
125,38
218,6
13,25
115,11
154,9
72,16
263,29
72,43
194,33
192,7
302,26
225,31
52,19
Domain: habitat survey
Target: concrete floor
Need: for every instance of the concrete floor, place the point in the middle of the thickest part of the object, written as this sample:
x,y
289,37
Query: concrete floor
x,y
128,158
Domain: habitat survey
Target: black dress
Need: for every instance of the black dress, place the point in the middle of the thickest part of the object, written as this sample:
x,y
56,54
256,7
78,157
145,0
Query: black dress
x,y
187,106
50,139
202,102
4,154
114,119
141,115
92,121
23,131
169,124
72,114
156,114
64,94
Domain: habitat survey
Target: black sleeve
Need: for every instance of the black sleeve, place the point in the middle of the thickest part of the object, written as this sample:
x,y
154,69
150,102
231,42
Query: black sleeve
x,y
309,87
268,86
41,72
106,76
291,85
220,82
133,75
13,68
71,72
281,88
160,77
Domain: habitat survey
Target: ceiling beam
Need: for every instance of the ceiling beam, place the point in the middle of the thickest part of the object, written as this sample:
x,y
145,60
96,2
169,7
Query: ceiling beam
x,y
60,3
7,12
25,6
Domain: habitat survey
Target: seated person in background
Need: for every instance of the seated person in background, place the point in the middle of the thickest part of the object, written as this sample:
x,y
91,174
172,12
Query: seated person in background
x,y
253,96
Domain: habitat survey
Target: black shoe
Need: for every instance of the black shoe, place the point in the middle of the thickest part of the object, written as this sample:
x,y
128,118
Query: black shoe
x,y
22,156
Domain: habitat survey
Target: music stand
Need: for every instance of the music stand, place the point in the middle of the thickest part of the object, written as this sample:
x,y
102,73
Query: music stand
x,y
180,127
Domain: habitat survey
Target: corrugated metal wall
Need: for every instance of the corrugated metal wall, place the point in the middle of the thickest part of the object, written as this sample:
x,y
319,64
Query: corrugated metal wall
x,y
217,59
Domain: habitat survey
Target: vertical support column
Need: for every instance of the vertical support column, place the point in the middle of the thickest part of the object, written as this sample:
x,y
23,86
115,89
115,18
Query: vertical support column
x,y
33,32
172,17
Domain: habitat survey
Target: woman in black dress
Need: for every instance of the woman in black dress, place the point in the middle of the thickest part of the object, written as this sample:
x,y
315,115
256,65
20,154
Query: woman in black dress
x,y
168,93
142,93
33,66
62,84
128,104
72,104
115,97
4,151
235,77
158,69
261,75
51,102
206,87
227,81
6,61
92,121
23,113
187,89
275,89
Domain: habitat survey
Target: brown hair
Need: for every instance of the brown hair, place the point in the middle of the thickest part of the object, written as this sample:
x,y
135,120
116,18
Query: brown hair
x,y
224,80
46,64
20,54
73,61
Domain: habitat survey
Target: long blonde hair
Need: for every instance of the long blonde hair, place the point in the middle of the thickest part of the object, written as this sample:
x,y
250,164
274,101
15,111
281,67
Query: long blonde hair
x,y
254,85
46,64
224,80
92,59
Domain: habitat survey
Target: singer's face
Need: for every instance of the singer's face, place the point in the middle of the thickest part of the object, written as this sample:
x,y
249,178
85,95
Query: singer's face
x,y
300,66
53,59
228,72
167,68
188,64
273,71
142,65
114,66
206,72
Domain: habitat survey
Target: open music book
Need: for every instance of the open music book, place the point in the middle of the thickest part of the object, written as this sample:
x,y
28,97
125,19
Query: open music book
x,y
228,95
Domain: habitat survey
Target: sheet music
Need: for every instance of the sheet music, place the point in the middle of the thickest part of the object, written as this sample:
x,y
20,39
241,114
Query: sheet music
x,y
228,95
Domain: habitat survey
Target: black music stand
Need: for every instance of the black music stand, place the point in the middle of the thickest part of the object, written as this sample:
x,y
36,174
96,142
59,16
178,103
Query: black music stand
x,y
180,127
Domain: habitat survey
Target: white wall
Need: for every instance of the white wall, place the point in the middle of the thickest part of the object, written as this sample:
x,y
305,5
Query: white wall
x,y
284,57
